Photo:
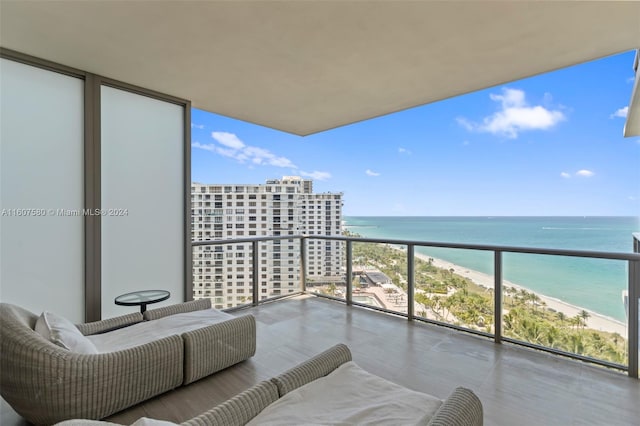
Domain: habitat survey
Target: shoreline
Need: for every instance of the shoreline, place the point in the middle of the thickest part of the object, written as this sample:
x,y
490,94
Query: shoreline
x,y
597,321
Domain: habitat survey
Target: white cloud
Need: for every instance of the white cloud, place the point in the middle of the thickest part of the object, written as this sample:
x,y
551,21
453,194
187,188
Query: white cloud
x,y
580,173
265,157
372,173
227,152
404,151
202,146
510,97
469,126
515,115
584,173
622,113
316,175
631,79
197,126
232,147
632,198
228,139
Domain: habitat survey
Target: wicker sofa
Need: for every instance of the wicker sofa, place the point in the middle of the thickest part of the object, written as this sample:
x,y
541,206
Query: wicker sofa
x,y
461,408
46,383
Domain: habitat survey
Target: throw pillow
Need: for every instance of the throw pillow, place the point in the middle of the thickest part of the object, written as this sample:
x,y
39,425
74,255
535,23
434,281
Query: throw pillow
x,y
63,333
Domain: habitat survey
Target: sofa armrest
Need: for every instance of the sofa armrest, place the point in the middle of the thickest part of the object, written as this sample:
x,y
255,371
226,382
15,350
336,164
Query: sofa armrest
x,y
312,369
86,422
178,308
103,326
217,346
46,384
240,409
461,408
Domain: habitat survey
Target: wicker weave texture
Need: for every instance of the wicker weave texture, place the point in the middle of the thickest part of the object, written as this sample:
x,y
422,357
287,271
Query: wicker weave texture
x,y
85,422
103,326
179,308
312,369
46,384
218,346
240,409
462,408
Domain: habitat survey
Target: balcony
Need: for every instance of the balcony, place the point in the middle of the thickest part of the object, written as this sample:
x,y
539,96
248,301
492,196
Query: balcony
x,y
517,385
442,296
473,36
519,382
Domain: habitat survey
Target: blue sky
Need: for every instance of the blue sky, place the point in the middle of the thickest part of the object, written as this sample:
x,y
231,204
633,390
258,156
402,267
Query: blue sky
x,y
546,145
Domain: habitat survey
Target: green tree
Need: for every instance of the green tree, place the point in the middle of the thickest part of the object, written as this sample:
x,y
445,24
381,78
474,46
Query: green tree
x,y
584,316
562,317
332,289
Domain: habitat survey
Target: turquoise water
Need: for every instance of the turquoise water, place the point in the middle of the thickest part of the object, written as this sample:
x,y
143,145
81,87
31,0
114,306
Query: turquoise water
x,y
590,283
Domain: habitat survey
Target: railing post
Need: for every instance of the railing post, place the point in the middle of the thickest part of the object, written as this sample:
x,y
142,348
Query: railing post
x,y
497,297
303,263
256,273
349,272
634,293
410,280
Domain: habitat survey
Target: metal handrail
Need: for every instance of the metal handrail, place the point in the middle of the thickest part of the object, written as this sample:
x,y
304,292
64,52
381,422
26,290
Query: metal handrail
x,y
633,260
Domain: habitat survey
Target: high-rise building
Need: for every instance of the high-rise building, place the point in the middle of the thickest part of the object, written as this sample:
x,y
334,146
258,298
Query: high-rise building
x,y
280,207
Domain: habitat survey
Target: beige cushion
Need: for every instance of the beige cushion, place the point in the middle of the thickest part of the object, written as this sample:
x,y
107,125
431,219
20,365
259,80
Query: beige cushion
x,y
349,396
142,421
62,332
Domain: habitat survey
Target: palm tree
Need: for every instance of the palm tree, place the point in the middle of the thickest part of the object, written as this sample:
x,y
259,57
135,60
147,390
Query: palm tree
x,y
523,296
552,335
584,315
562,317
532,331
508,321
576,344
577,321
535,300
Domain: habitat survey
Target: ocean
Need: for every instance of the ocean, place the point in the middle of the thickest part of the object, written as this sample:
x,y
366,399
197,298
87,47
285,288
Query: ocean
x,y
593,284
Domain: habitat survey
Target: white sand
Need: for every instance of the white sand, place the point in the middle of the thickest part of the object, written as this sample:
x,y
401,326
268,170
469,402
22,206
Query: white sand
x,y
596,321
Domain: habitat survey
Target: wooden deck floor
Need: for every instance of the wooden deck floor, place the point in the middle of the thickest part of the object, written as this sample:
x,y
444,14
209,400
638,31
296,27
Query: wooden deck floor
x,y
517,386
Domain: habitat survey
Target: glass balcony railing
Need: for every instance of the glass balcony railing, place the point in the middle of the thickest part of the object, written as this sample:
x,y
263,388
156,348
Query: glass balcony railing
x,y
407,278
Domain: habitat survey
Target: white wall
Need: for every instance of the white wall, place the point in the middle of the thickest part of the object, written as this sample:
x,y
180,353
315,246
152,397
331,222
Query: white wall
x,y
41,167
142,172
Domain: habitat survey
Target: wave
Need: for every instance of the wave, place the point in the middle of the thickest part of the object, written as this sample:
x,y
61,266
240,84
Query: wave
x,y
575,229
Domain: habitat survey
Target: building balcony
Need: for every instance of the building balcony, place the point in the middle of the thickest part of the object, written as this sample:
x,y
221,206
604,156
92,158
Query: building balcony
x,y
519,381
517,385
491,308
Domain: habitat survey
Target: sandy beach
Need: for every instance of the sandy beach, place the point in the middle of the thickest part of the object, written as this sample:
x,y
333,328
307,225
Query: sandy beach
x,y
596,321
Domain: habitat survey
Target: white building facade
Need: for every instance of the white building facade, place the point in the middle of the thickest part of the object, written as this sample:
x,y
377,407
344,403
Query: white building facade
x,y
280,207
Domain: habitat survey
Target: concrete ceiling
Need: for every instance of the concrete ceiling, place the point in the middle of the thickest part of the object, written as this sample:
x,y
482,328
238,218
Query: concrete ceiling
x,y
305,67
